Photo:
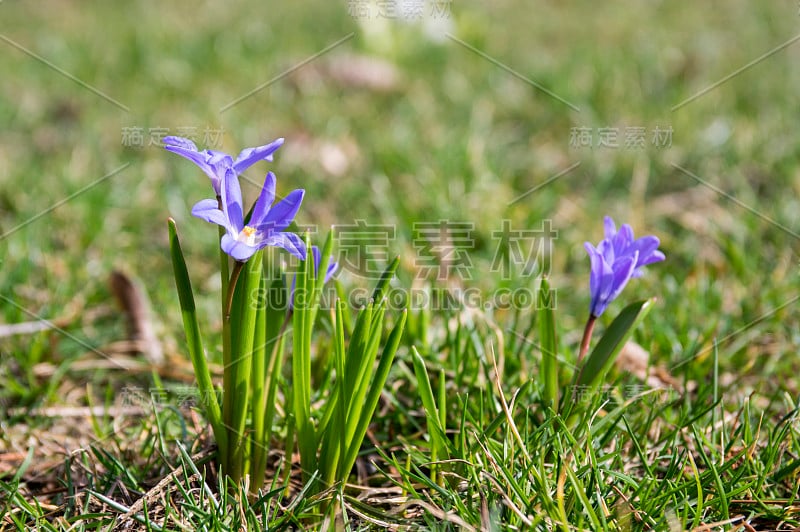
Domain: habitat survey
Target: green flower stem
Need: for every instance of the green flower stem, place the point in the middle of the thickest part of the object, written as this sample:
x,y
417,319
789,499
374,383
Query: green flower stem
x,y
227,377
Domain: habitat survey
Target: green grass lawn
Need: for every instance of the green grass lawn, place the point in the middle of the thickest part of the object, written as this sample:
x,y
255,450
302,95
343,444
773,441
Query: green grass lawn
x,y
676,117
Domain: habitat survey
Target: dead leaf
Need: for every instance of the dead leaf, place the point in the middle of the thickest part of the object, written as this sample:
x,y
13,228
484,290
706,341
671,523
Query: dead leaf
x,y
136,306
634,359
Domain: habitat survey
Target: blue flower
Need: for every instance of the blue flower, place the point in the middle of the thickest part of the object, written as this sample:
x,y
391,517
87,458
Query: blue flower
x,y
266,224
216,163
615,260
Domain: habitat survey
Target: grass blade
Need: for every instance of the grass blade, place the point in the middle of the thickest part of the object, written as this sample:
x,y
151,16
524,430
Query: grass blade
x,y
208,397
602,356
549,344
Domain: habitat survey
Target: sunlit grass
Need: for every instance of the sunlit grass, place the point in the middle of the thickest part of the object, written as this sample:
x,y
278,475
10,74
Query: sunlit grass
x,y
456,138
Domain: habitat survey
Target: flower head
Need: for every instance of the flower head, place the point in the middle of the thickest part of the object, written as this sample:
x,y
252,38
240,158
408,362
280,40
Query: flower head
x,y
216,163
615,260
266,224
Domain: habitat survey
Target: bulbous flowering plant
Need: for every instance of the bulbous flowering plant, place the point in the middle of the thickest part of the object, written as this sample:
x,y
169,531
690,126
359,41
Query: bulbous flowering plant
x,y
254,328
617,259
328,431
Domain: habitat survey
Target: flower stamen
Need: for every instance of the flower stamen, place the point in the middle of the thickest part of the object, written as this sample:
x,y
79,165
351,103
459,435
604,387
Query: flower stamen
x,y
248,235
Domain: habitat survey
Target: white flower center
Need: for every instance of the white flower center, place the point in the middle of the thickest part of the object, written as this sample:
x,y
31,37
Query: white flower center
x,y
247,236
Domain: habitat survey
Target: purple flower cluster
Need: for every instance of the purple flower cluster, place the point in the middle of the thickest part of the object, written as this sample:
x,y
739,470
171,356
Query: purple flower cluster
x,y
616,259
266,224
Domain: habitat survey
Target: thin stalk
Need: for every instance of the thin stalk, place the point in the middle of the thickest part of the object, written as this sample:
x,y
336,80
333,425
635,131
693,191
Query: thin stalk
x,y
237,270
227,377
587,337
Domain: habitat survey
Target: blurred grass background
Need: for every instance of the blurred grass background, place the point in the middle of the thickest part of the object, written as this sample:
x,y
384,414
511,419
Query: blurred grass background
x,y
453,137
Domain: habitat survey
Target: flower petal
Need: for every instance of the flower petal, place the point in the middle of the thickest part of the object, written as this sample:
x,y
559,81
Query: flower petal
x,y
623,271
238,250
213,163
609,227
195,156
283,212
218,160
264,201
288,241
315,252
232,201
179,142
606,249
655,256
332,267
601,281
250,156
623,239
595,267
208,210
646,246
616,260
